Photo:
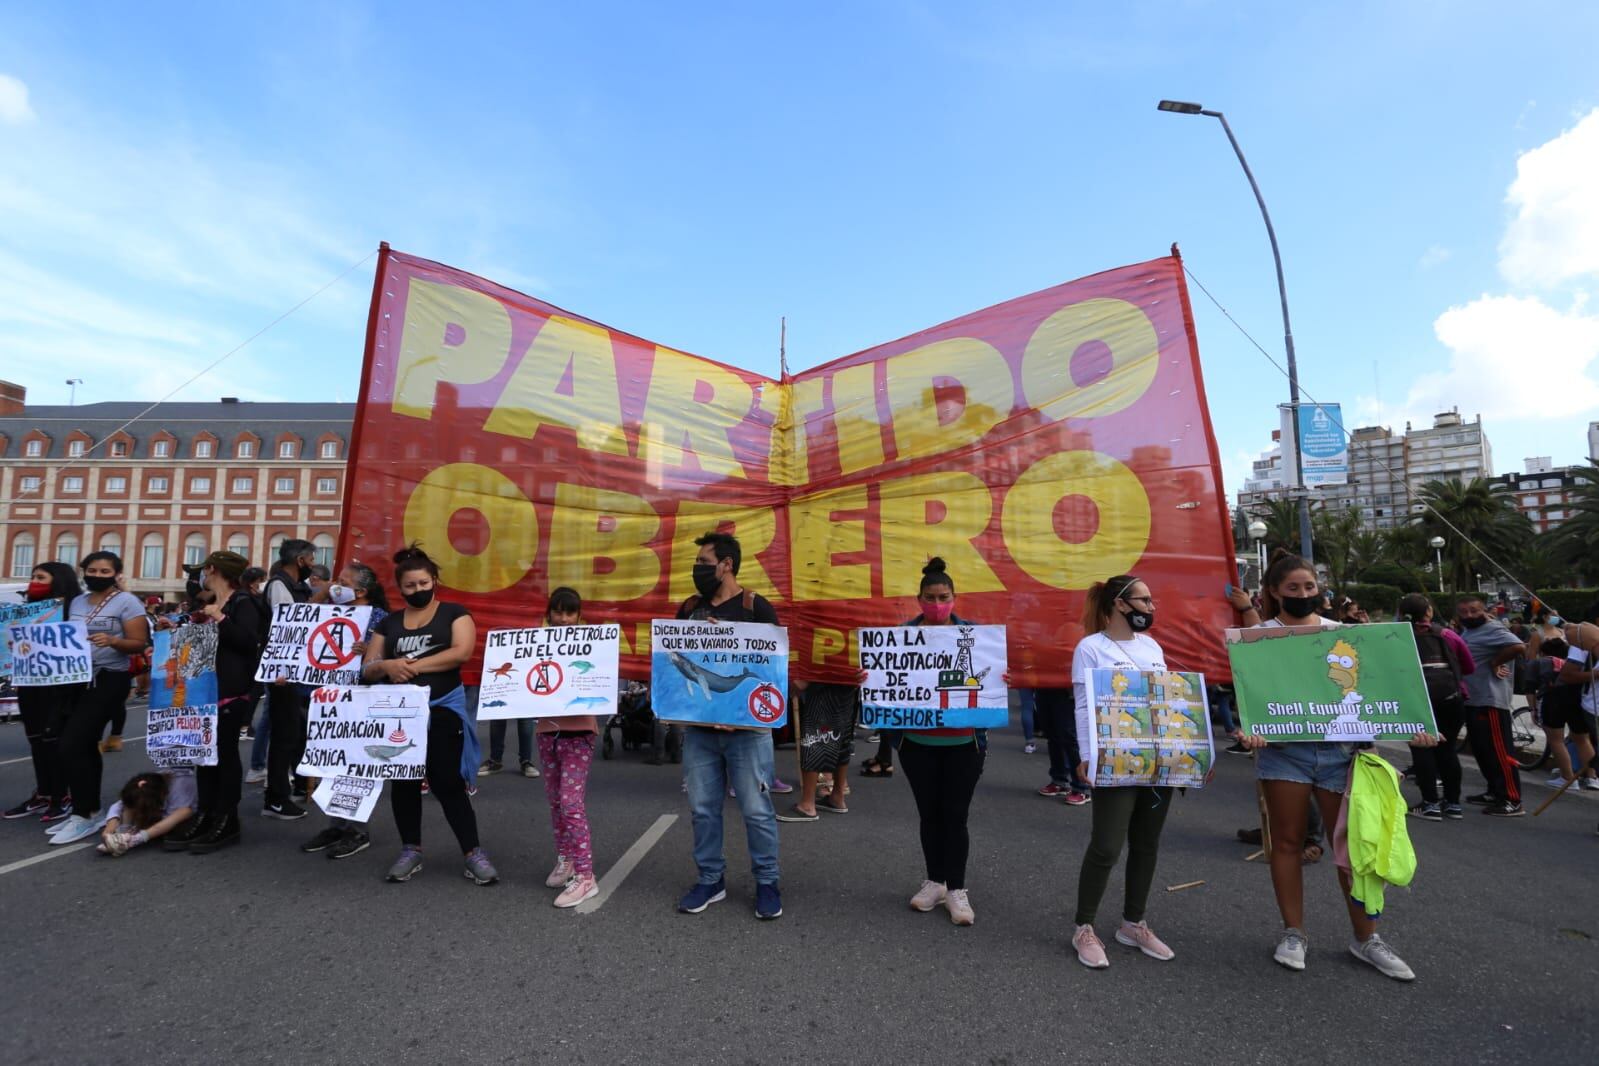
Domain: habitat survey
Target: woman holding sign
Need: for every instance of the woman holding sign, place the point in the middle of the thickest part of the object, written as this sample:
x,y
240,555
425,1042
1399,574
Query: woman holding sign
x,y
426,644
1116,618
1292,774
118,628
40,703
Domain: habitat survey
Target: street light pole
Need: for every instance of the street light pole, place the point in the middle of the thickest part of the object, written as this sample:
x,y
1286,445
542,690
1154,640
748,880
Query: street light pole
x,y
72,397
1438,557
1183,108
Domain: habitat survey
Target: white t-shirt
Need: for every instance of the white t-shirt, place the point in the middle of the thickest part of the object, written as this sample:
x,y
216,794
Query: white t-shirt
x,y
1100,652
181,792
112,618
1590,700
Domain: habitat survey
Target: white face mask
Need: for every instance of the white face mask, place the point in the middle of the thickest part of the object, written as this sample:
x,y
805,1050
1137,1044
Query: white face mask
x,y
341,595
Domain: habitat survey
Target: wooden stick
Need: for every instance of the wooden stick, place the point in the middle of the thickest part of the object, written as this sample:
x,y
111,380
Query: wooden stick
x,y
1185,884
1252,856
1557,794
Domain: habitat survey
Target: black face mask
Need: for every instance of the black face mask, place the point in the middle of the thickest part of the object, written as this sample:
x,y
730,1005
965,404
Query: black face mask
x,y
1300,606
98,582
705,579
1139,620
1473,623
420,598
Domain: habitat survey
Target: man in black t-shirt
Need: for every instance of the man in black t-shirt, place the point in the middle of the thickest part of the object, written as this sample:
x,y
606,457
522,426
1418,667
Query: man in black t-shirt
x,y
287,703
715,757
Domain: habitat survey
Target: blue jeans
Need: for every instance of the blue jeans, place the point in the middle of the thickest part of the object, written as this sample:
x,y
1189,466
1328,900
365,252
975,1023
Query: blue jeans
x,y
524,740
1221,711
263,733
712,760
1026,700
1059,711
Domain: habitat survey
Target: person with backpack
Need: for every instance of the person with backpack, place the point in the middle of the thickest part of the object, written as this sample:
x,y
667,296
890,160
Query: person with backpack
x,y
1445,663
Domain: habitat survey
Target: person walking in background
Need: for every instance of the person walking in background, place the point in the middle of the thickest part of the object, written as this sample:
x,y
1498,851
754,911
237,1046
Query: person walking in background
x,y
1488,690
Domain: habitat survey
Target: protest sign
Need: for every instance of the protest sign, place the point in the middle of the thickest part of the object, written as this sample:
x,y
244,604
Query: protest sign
x,y
357,738
549,671
1347,684
934,677
183,697
50,653
314,644
348,797
18,613
1150,727
719,673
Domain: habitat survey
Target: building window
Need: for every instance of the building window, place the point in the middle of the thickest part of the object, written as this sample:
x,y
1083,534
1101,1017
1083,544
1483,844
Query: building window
x,y
246,449
239,543
67,549
22,555
31,484
283,484
244,484
34,449
75,449
327,485
193,549
286,449
153,557
324,549
202,449
161,449
116,484
330,449
72,484
199,484
158,484
111,542
119,449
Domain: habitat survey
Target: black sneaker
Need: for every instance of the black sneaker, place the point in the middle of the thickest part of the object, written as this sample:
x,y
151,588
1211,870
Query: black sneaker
x,y
1485,799
1453,811
284,811
34,804
353,842
222,834
1432,812
1236,749
180,839
323,840
1505,809
56,812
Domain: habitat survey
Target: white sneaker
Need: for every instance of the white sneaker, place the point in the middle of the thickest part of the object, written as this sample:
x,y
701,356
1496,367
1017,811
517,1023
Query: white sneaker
x,y
1589,783
1379,955
1291,949
255,777
959,905
76,828
930,895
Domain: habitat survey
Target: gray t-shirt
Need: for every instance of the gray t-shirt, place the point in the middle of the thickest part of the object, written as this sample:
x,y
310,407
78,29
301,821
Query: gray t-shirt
x,y
1483,688
112,619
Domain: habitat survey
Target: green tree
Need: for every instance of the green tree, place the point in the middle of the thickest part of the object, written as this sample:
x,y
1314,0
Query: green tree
x,y
1282,525
1335,532
1478,521
1367,548
1575,542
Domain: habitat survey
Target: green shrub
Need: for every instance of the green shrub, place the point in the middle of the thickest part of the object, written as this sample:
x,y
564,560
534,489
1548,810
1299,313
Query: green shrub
x,y
1400,577
1378,600
1569,602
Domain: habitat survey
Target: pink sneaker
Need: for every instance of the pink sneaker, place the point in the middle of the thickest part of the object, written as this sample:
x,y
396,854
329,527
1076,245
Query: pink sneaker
x,y
1138,935
582,887
1090,952
959,906
560,875
930,895
1075,798
1052,790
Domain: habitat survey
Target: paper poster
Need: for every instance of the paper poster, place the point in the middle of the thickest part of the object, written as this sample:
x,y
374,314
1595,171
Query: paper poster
x,y
719,673
934,677
1346,684
50,653
183,697
550,671
1150,727
348,797
314,644
13,613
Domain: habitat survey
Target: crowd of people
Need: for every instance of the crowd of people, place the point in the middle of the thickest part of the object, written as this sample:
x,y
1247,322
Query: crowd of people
x,y
1472,670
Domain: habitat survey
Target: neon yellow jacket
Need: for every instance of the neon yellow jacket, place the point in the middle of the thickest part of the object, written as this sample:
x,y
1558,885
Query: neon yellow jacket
x,y
1371,841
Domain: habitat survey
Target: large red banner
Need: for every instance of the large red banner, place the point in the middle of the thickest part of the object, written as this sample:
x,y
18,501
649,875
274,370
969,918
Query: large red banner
x,y
1038,446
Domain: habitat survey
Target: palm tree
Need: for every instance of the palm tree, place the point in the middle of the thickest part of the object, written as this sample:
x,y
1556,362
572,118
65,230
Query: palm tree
x,y
1367,548
1575,542
1477,521
1282,525
1335,532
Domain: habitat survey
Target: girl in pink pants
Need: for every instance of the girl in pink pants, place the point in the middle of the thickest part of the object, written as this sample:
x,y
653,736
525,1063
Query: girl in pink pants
x,y
566,751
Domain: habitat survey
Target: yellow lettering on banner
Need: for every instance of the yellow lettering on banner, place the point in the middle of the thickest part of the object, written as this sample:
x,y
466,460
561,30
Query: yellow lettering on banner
x,y
591,524
451,334
924,426
1037,544
755,528
565,347
1131,350
640,641
816,536
510,524
935,514
804,400
692,404
826,643
855,417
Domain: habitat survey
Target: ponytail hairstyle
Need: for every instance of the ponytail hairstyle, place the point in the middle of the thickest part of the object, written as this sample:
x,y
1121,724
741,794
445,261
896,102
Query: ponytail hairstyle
x,y
935,574
144,799
366,582
566,600
1102,597
1283,562
412,557
1413,608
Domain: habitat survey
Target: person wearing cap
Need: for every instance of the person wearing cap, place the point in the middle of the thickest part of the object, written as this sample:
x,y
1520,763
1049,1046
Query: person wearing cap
x,y
242,621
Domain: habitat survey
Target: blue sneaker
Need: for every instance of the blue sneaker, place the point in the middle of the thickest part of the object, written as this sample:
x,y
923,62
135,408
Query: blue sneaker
x,y
701,896
768,902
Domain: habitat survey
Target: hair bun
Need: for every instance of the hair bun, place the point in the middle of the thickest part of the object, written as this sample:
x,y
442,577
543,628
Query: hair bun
x,y
935,565
412,552
1278,552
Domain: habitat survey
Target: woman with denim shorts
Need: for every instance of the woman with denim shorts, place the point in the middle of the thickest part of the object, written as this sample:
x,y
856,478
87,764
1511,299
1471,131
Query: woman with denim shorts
x,y
1293,774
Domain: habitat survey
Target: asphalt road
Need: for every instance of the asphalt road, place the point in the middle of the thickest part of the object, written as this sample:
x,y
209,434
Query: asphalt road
x,y
260,953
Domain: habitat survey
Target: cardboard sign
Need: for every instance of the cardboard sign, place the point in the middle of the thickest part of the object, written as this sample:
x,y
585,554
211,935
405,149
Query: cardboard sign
x,y
182,715
719,673
377,733
1150,727
549,672
15,613
50,653
314,644
934,677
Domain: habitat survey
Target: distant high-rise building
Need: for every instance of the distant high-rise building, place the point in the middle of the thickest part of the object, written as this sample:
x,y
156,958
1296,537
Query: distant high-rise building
x,y
1593,442
1544,492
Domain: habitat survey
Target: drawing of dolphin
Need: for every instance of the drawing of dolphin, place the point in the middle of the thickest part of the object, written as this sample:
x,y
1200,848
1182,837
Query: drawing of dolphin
x,y
388,752
707,681
582,666
587,701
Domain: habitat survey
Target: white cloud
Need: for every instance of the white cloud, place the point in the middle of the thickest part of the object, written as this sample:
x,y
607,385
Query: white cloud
x,y
14,106
1554,237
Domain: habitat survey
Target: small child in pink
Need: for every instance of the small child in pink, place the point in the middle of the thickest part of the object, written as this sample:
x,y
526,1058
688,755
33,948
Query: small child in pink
x,y
566,751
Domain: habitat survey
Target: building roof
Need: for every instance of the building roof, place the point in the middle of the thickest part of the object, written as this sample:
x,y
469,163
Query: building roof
x,y
182,420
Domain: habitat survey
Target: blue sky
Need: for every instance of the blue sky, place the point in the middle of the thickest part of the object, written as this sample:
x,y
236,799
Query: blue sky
x,y
174,177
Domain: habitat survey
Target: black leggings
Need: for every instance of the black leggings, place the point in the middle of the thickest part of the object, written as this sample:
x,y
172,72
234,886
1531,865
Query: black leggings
x,y
446,738
286,744
38,706
1442,761
219,787
943,779
82,722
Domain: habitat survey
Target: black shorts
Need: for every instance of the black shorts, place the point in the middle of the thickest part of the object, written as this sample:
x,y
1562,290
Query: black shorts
x,y
1561,708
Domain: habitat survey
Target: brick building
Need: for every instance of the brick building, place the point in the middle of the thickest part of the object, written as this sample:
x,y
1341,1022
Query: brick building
x,y
171,486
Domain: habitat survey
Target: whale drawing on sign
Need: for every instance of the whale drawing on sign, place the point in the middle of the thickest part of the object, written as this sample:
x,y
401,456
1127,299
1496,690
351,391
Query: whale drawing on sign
x,y
586,701
707,681
388,752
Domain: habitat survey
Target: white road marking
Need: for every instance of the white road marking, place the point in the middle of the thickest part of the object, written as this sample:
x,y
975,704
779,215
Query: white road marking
x,y
29,758
53,853
630,858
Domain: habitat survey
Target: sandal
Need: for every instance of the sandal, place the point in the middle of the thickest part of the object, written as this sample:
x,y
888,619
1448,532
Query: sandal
x,y
873,768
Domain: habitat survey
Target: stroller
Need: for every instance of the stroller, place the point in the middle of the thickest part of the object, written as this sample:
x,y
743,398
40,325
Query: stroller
x,y
633,719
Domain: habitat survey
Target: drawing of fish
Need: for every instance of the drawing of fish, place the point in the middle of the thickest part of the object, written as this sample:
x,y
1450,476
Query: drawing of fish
x,y
496,703
388,752
582,666
707,681
587,701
